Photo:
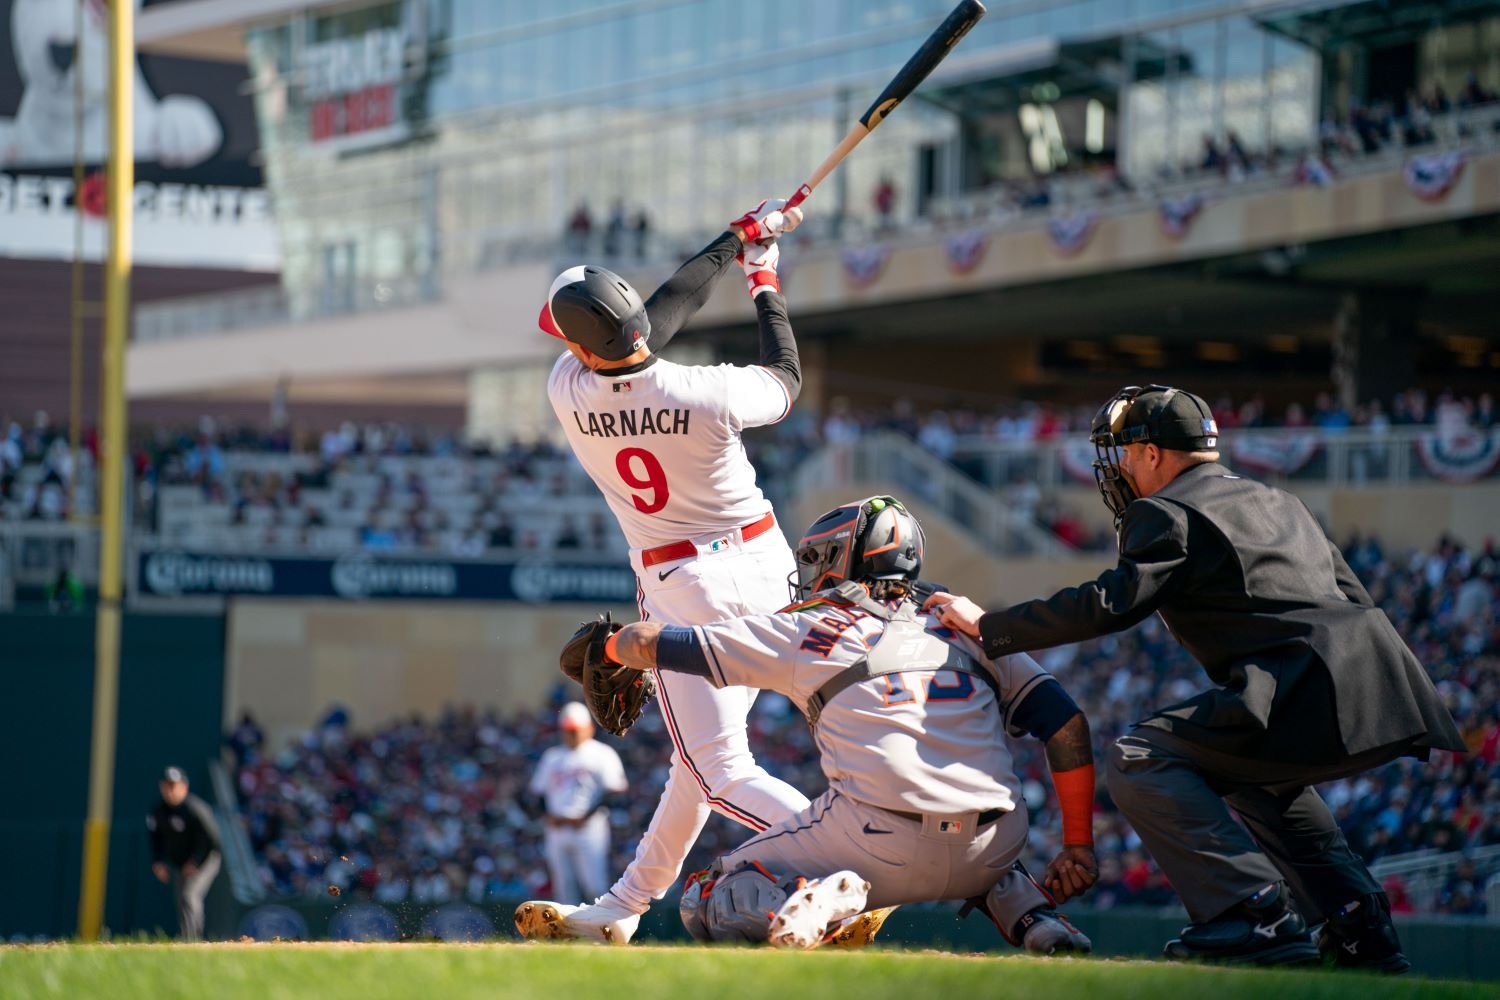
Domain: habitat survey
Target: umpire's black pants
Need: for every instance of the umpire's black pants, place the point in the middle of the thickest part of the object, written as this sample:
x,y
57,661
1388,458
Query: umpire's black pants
x,y
189,891
1178,796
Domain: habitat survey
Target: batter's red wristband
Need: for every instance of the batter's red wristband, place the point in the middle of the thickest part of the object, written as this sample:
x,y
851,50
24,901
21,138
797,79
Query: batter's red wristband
x,y
611,650
1075,796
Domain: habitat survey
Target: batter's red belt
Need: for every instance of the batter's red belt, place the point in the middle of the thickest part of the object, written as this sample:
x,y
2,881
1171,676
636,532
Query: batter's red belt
x,y
672,551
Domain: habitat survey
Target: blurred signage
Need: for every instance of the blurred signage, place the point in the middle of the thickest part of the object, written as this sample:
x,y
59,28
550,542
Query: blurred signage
x,y
355,72
170,573
199,197
176,224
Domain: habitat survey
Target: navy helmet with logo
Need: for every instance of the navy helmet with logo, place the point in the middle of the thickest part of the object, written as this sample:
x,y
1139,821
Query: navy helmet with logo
x,y
876,538
598,310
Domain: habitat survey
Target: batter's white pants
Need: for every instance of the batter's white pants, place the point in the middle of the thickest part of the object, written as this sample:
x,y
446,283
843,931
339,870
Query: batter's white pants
x,y
712,767
578,858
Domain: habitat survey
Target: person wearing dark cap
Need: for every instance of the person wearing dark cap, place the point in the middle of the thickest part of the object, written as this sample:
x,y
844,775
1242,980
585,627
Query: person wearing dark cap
x,y
184,849
1311,682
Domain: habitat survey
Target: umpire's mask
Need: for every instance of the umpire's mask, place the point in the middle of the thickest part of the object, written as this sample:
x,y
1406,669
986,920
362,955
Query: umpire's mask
x,y
1154,414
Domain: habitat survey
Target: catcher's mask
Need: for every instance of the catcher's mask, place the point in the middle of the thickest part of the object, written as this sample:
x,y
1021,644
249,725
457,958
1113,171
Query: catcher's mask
x,y
597,310
872,539
1154,414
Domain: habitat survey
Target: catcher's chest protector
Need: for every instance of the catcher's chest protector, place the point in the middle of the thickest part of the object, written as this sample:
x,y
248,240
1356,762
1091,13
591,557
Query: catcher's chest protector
x,y
905,645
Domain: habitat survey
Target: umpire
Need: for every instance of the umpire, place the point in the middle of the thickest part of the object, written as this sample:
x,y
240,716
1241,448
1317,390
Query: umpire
x,y
1311,683
184,849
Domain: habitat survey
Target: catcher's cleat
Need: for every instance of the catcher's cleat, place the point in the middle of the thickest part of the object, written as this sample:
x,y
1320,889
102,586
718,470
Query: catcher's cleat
x,y
606,921
1046,932
803,920
859,930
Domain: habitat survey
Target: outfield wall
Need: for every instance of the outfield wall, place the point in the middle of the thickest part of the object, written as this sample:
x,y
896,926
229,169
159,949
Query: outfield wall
x,y
171,689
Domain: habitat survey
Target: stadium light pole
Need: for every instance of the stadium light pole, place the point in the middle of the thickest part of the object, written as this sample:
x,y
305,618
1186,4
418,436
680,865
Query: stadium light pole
x,y
121,183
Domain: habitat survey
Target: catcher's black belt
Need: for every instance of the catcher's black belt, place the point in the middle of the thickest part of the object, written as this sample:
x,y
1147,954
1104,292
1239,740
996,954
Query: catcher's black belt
x,y
985,818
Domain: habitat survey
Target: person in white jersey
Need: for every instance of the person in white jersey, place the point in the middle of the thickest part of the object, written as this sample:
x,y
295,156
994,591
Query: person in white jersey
x,y
662,442
910,719
576,781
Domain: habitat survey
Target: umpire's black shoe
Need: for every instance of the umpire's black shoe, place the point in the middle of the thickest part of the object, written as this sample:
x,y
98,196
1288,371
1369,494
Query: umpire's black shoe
x,y
1263,930
1361,936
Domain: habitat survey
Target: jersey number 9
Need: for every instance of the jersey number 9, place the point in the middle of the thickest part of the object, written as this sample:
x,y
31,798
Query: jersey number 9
x,y
651,478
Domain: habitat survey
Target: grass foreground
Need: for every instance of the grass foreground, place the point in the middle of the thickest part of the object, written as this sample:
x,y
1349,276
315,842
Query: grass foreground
x,y
569,971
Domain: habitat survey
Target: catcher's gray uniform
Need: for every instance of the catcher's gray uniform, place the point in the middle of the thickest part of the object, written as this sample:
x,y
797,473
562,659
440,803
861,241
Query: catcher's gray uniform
x,y
922,795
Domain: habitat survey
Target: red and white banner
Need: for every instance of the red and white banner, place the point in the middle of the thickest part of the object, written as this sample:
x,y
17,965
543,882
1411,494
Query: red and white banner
x,y
1280,454
965,250
1460,457
1070,233
1431,176
1177,214
864,265
1077,460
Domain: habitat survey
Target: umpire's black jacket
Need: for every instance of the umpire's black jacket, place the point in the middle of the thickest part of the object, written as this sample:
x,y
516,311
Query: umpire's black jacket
x,y
180,834
1308,669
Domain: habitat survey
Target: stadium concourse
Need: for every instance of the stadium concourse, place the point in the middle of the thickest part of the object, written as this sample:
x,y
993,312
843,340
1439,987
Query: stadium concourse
x,y
427,810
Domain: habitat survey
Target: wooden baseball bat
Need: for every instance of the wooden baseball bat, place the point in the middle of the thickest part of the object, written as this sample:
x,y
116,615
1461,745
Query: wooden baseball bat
x,y
933,51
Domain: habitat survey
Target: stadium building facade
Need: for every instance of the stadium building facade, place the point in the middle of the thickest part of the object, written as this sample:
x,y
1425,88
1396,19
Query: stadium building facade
x,y
1082,188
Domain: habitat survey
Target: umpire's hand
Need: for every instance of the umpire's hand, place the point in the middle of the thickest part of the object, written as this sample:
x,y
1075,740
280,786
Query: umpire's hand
x,y
957,613
1072,873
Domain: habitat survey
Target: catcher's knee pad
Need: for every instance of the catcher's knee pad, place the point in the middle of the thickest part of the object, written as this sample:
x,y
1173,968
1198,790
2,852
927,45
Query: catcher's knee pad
x,y
733,906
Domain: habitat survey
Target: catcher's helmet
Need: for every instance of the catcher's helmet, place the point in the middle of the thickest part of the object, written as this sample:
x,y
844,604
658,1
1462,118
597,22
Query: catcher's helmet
x,y
872,539
597,310
1154,414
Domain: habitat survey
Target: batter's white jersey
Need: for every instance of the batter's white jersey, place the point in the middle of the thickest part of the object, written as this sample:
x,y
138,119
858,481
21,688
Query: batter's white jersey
x,y
663,443
923,740
573,780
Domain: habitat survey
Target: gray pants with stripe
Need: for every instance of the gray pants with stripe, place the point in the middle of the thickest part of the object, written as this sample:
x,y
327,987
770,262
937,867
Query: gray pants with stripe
x,y
905,861
1178,796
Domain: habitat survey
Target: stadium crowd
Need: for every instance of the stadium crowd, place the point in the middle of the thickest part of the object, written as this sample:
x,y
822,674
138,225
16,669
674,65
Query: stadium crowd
x,y
390,488
428,811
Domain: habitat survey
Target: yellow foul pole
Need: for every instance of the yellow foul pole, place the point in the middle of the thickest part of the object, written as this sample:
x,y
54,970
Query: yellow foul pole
x,y
121,183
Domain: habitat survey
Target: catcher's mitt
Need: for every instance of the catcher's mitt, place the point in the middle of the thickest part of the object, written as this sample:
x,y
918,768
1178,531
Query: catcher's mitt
x,y
615,695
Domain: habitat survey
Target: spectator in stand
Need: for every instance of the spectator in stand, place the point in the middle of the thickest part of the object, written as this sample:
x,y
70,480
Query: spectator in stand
x,y
580,228
885,203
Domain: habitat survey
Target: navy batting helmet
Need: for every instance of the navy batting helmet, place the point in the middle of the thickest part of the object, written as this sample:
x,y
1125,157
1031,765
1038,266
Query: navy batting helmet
x,y
597,310
872,539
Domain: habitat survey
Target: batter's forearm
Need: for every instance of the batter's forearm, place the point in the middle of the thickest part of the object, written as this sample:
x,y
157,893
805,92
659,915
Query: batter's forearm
x,y
685,292
778,346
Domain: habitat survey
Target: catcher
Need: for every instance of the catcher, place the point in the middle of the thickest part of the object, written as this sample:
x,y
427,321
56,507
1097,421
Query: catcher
x,y
662,443
910,719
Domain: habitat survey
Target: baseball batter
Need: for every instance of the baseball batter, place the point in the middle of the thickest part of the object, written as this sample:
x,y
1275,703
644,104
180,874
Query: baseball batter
x,y
910,720
575,780
662,442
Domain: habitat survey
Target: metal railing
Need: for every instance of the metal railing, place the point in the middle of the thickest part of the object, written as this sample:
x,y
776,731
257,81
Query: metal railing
x,y
1425,872
1398,456
892,462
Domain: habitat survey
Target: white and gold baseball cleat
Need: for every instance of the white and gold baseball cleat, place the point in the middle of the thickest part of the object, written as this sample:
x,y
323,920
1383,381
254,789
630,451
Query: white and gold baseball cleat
x,y
805,918
859,930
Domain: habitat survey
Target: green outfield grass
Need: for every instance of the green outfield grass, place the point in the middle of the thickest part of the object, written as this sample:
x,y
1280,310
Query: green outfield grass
x,y
576,972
